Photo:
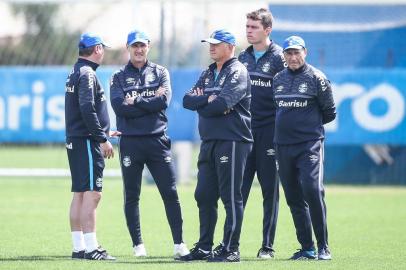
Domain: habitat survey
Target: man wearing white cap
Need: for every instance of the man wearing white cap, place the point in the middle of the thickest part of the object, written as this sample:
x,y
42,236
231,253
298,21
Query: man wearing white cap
x,y
222,99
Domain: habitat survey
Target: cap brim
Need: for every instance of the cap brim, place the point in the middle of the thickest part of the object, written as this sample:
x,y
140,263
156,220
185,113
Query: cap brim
x,y
212,41
295,47
106,45
145,41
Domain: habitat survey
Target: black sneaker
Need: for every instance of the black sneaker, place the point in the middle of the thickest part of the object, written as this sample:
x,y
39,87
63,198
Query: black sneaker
x,y
225,256
99,254
302,254
196,254
324,254
77,255
266,253
217,250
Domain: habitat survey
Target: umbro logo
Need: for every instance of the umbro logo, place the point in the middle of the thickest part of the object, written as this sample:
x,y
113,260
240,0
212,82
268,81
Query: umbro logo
x,y
168,159
224,159
130,80
270,152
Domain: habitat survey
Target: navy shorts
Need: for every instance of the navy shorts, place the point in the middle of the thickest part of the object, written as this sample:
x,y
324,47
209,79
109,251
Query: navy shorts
x,y
86,164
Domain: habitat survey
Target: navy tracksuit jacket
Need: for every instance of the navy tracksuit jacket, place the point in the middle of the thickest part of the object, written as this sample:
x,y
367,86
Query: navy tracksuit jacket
x,y
261,160
304,102
225,130
144,142
87,125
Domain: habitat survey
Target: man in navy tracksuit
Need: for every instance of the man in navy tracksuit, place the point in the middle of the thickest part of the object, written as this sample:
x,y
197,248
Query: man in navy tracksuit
x,y
140,93
263,60
87,129
222,98
304,103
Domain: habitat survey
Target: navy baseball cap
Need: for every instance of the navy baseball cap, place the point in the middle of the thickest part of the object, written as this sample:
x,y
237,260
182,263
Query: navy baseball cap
x,y
89,39
294,42
137,36
219,36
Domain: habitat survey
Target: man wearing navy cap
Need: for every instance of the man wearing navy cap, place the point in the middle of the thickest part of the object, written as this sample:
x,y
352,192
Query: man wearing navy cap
x,y
221,97
304,103
140,92
87,129
263,59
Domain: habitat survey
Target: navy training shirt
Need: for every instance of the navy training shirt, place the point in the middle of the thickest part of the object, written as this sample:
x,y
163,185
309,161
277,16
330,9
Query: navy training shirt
x,y
228,116
85,103
304,102
147,115
261,73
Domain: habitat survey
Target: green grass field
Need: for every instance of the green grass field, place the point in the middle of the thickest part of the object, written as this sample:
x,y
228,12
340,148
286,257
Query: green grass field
x,y
366,225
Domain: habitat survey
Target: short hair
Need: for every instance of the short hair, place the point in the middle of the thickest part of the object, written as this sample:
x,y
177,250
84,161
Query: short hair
x,y
263,15
86,51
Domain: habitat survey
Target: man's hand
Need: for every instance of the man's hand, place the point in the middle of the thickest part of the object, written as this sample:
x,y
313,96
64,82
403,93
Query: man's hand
x,y
198,92
211,98
160,92
129,101
114,133
107,149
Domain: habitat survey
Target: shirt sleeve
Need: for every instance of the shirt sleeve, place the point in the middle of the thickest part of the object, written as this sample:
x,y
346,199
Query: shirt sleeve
x,y
280,62
156,104
87,95
117,99
193,102
235,88
325,99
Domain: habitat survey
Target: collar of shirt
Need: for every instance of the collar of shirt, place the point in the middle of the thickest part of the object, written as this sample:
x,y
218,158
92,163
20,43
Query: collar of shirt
x,y
132,67
251,50
299,70
213,66
93,65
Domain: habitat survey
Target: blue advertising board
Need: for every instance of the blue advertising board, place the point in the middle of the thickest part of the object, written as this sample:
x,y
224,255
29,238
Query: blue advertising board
x,y
370,105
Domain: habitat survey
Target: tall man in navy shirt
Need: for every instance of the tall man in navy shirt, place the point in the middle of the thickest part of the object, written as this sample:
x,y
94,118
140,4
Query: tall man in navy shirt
x,y
222,99
304,103
263,60
140,93
87,128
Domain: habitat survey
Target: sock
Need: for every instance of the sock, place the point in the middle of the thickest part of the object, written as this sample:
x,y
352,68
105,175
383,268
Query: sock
x,y
90,241
78,241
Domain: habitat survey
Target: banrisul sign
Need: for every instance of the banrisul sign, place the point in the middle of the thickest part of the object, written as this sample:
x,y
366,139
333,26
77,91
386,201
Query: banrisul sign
x,y
370,105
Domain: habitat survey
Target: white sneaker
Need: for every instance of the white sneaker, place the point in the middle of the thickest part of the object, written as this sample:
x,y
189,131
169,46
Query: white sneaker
x,y
180,250
139,251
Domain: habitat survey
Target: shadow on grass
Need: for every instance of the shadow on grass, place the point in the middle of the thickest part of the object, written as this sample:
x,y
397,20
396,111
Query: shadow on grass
x,y
126,260
149,260
35,258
